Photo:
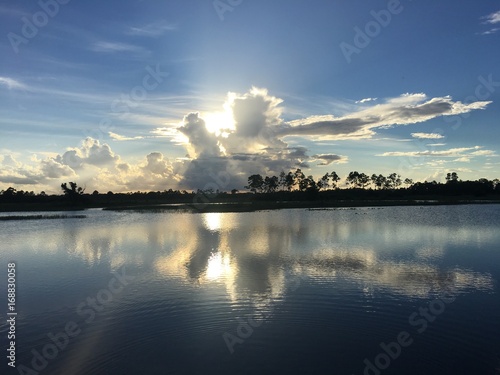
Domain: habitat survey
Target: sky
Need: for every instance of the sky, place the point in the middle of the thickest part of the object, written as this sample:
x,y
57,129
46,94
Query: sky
x,y
148,95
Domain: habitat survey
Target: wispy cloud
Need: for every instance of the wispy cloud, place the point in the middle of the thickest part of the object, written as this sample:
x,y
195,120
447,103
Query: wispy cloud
x,y
152,30
118,137
436,144
403,110
11,83
492,19
483,153
427,135
114,47
366,100
452,152
327,159
13,12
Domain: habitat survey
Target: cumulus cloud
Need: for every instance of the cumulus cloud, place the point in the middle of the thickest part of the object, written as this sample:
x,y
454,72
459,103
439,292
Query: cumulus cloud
x,y
202,143
255,142
252,137
51,168
249,145
157,164
17,173
257,116
90,152
427,135
8,160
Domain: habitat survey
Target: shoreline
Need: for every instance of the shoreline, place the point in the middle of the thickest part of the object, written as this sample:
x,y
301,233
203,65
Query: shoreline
x,y
251,206
268,206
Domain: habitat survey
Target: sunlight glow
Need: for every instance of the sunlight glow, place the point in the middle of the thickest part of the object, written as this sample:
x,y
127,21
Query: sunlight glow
x,y
213,221
219,122
218,266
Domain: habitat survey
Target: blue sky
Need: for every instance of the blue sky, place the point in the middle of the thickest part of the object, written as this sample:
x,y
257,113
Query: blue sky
x,y
145,95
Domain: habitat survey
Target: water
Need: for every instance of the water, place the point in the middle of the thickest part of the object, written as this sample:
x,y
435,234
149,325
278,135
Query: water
x,y
271,292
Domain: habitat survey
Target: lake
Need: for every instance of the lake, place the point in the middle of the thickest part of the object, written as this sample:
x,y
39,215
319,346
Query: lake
x,y
388,290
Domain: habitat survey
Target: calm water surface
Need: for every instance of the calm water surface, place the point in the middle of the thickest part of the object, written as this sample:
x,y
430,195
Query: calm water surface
x,y
271,292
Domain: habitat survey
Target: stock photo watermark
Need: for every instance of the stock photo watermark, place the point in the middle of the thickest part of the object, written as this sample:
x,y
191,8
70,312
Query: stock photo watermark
x,y
11,314
372,29
221,180
483,91
485,88
420,320
123,106
88,309
246,326
223,6
126,102
38,20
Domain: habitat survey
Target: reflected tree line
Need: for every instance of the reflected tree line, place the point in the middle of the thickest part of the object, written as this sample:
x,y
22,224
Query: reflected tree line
x,y
292,186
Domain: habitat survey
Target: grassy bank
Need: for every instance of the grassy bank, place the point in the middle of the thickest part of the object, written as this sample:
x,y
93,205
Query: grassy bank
x,y
40,217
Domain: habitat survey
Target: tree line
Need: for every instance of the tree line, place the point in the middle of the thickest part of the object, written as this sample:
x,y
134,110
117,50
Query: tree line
x,y
297,181
293,185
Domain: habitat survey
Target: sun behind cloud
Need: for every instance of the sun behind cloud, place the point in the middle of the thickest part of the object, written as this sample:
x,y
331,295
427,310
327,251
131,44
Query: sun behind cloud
x,y
219,122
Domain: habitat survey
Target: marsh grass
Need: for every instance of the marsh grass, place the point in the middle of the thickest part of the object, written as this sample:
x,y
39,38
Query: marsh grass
x,y
40,217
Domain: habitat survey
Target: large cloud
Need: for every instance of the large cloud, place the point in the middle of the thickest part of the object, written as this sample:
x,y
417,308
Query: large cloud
x,y
90,152
202,143
249,146
251,138
256,141
404,110
92,165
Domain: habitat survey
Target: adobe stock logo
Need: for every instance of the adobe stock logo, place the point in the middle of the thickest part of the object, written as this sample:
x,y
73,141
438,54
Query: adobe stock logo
x,y
420,319
31,25
221,7
372,29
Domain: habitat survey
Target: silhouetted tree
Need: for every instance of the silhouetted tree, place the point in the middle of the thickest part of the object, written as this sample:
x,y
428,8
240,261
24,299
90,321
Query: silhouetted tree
x,y
10,192
270,184
408,182
289,181
323,182
282,180
352,178
393,181
73,190
298,178
335,179
359,180
378,181
496,183
364,180
451,177
255,183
